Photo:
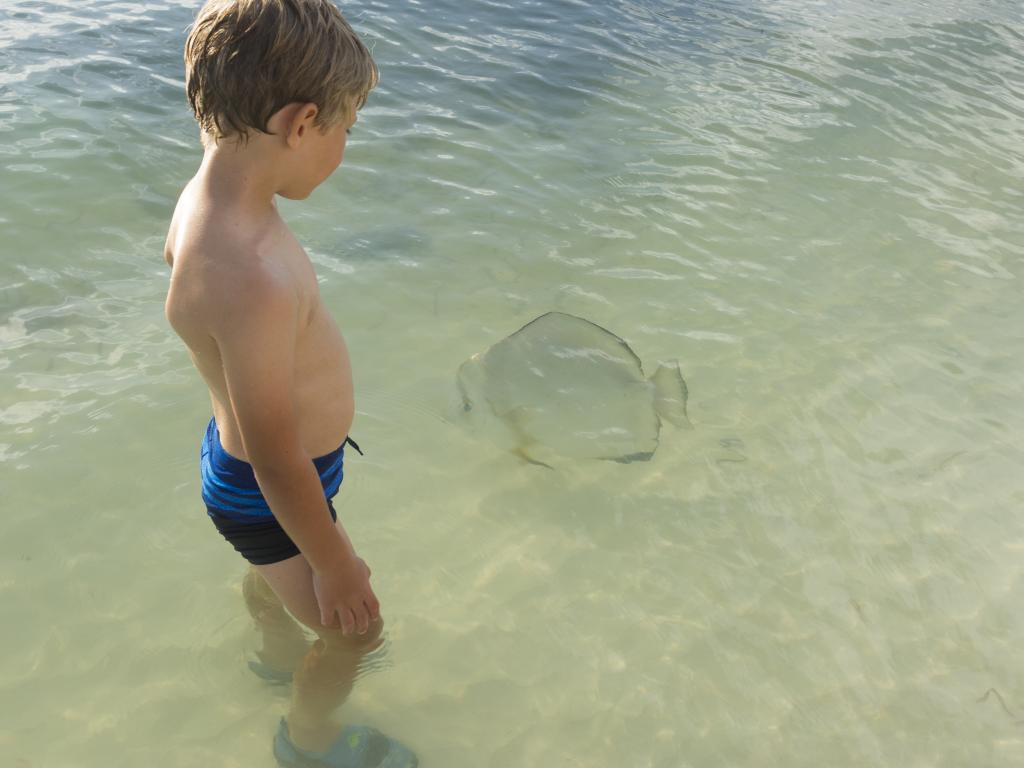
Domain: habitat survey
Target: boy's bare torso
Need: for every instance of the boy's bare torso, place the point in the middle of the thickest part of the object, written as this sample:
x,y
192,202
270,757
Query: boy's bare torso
x,y
208,250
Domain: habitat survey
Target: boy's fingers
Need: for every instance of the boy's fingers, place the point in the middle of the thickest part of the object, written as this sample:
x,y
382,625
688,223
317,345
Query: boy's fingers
x,y
373,607
362,620
348,621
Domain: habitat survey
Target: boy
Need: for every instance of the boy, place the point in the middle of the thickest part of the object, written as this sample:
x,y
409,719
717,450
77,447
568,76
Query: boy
x,y
275,86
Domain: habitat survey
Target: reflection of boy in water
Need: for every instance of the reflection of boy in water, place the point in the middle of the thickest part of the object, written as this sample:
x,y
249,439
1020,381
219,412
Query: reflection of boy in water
x,y
275,86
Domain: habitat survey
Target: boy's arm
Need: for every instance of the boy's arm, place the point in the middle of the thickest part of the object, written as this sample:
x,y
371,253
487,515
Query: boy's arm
x,y
255,329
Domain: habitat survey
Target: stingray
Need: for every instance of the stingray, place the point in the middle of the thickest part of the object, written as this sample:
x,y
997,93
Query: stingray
x,y
562,386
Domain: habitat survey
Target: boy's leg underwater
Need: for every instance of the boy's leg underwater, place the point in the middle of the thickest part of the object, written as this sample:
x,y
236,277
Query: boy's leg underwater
x,y
323,682
284,643
324,677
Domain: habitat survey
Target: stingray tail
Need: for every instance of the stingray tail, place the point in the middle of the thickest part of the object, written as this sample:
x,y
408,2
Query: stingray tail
x,y
670,394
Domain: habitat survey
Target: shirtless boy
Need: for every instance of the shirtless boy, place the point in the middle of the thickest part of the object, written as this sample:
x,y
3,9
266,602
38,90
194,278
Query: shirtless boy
x,y
275,86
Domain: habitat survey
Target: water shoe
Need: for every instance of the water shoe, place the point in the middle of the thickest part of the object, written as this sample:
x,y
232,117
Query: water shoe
x,y
358,746
271,674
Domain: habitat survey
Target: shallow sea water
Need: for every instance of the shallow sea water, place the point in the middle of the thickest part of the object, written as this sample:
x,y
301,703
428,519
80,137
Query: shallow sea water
x,y
814,206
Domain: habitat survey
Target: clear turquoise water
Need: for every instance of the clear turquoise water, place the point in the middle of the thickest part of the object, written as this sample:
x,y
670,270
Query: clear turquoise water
x,y
816,207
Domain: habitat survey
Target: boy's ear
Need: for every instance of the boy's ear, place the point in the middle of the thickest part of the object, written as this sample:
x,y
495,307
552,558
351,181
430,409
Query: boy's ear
x,y
298,121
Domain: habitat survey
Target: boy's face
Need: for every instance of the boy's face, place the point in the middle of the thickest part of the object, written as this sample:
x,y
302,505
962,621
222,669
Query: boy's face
x,y
331,146
319,155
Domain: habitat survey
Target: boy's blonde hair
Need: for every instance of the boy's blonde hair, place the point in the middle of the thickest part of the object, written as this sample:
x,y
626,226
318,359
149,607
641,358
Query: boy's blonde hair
x,y
245,59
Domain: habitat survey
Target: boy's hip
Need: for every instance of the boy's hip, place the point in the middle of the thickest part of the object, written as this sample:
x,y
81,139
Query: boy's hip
x,y
229,487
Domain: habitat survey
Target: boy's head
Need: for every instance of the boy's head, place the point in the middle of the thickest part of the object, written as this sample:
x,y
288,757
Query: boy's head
x,y
245,60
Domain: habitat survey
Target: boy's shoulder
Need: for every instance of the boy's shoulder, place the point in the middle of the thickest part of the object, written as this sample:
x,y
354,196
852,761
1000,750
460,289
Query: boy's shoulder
x,y
212,234
219,261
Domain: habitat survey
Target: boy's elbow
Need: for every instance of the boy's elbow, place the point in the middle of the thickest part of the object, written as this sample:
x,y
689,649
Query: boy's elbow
x,y
280,469
273,450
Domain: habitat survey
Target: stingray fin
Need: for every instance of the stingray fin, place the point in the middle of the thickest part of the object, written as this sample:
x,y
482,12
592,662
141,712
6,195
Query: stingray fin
x,y
521,452
632,457
525,446
670,394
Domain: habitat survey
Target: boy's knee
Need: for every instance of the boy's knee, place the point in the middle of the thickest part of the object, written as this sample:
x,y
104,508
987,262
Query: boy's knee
x,y
256,592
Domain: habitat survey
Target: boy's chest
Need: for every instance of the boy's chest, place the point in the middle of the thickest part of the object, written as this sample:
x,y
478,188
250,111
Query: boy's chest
x,y
284,249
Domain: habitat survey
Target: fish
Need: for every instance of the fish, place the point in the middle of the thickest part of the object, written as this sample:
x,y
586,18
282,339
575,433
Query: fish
x,y
563,387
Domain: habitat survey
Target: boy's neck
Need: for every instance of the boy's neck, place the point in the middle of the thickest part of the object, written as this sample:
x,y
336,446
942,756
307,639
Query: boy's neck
x,y
241,174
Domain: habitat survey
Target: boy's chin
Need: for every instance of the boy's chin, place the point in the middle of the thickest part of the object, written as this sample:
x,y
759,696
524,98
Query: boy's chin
x,y
296,193
301,188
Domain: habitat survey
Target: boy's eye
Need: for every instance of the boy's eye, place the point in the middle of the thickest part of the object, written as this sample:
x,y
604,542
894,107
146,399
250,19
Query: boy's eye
x,y
348,131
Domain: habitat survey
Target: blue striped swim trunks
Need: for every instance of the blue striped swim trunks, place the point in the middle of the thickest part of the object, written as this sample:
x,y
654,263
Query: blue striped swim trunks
x,y
237,507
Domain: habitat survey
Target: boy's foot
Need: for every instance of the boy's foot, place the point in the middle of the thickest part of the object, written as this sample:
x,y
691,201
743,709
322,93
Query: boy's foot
x,y
357,746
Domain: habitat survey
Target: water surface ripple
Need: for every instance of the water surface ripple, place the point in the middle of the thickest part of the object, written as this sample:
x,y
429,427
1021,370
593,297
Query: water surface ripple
x,y
815,207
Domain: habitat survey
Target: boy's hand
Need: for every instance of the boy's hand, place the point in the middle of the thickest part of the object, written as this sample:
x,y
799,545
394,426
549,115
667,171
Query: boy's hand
x,y
346,597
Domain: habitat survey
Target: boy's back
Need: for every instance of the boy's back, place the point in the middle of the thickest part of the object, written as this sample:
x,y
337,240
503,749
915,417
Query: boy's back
x,y
275,86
